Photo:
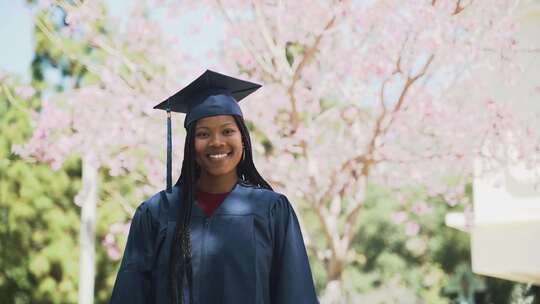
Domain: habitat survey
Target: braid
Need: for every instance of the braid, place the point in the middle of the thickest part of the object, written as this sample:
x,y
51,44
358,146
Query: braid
x,y
246,168
182,233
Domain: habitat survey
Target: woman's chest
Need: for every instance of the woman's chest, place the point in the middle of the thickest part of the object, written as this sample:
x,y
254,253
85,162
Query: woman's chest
x,y
230,236
222,237
231,257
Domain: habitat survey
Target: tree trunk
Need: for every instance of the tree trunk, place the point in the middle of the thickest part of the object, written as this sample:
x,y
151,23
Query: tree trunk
x,y
87,198
333,293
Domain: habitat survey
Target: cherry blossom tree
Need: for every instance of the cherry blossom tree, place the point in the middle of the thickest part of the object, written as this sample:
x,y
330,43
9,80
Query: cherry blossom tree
x,y
376,92
106,116
356,93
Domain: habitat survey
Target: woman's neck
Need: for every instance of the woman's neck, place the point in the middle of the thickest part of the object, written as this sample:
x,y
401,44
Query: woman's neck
x,y
216,184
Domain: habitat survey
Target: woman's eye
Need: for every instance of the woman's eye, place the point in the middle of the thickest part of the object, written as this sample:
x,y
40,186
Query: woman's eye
x,y
202,135
228,131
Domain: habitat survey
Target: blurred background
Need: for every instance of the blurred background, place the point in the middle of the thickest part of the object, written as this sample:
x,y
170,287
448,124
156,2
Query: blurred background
x,y
406,134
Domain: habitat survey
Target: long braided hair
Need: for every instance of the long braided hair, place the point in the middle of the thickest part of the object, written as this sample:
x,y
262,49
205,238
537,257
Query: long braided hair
x,y
181,246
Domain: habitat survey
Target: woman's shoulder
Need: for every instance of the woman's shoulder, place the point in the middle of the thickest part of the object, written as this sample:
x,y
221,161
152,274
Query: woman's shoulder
x,y
157,206
260,192
268,198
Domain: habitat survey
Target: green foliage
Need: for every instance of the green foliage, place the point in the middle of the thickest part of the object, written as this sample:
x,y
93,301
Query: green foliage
x,y
115,202
293,51
39,222
432,265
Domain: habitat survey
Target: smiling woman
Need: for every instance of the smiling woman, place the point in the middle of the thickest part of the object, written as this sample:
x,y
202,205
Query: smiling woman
x,y
221,234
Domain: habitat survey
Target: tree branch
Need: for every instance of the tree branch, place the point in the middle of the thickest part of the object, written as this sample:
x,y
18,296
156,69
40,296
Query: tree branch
x,y
278,52
366,159
11,98
460,7
408,84
265,66
89,65
323,218
309,53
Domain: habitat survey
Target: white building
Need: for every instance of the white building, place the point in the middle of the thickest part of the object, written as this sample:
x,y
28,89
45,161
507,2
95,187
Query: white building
x,y
505,226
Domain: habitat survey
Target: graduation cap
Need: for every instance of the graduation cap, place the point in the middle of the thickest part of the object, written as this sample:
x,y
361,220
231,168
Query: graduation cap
x,y
211,94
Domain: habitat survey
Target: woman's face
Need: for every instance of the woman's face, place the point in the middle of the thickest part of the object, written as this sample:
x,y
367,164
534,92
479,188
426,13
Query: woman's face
x,y
218,145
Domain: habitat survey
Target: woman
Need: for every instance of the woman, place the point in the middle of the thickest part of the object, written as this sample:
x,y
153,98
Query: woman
x,y
220,235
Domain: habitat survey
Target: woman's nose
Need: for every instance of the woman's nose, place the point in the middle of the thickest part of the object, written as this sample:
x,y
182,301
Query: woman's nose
x,y
216,140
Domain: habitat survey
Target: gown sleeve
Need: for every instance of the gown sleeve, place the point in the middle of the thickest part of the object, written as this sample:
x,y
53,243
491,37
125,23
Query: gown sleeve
x,y
291,280
133,280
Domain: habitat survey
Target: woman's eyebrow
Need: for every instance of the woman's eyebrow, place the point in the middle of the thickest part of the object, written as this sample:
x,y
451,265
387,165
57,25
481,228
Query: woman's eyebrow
x,y
225,124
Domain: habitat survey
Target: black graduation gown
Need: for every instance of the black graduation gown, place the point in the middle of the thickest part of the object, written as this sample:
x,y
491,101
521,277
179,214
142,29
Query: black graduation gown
x,y
250,250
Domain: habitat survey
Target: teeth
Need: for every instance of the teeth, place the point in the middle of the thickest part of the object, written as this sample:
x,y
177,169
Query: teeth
x,y
217,156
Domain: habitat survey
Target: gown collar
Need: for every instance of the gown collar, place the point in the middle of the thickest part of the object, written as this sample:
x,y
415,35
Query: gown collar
x,y
234,204
197,211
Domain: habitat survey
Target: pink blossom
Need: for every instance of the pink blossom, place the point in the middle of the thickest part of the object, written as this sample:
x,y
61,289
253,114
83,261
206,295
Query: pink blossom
x,y
120,228
399,217
412,229
25,91
114,253
421,208
109,242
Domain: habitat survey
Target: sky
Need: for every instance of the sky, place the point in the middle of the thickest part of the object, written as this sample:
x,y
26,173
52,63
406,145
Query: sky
x,y
17,38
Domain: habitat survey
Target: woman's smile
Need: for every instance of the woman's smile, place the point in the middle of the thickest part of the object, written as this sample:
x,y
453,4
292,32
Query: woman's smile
x,y
219,156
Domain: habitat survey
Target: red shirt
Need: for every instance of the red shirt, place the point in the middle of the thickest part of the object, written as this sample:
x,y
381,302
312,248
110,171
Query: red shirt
x,y
210,201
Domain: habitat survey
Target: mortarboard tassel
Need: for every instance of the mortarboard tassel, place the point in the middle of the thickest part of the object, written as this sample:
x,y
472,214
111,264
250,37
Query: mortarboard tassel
x,y
169,151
